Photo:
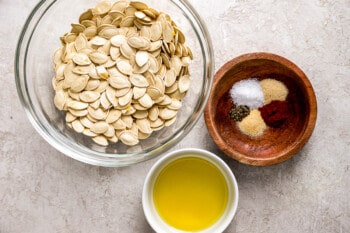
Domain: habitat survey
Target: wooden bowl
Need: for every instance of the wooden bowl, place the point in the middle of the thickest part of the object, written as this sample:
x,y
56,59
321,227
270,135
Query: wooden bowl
x,y
275,145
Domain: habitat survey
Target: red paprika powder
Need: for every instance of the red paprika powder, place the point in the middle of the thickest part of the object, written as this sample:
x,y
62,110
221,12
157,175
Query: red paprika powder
x,y
275,113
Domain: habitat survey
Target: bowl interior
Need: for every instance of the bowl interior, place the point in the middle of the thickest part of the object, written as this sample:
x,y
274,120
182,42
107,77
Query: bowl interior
x,y
34,71
276,144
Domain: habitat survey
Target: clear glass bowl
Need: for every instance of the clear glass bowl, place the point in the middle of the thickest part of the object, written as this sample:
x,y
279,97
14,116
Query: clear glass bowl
x,y
34,70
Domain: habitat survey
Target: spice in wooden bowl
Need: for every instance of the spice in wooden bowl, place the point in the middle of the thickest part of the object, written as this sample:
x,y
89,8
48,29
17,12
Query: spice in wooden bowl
x,y
275,144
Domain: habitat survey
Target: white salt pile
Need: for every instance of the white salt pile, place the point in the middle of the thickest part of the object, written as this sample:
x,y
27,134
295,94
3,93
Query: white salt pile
x,y
247,92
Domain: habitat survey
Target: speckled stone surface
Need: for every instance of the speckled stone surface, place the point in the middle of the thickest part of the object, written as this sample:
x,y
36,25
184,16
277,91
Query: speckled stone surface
x,y
41,190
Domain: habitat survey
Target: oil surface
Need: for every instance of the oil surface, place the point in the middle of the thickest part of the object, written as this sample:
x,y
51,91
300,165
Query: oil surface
x,y
190,194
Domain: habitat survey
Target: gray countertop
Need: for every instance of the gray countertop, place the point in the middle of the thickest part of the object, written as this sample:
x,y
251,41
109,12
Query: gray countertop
x,y
41,190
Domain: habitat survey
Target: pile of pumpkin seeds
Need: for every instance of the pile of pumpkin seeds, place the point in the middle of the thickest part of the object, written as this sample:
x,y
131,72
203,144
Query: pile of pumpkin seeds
x,y
121,73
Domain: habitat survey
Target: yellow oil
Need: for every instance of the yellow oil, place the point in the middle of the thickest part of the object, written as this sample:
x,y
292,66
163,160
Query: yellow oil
x,y
190,194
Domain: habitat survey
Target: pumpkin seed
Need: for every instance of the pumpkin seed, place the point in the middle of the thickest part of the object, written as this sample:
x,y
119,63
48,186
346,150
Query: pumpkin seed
x,y
184,83
113,116
142,69
60,99
145,32
119,82
138,92
121,92
128,138
96,104
141,58
89,133
113,139
127,21
85,15
120,5
140,114
176,63
170,77
144,126
165,60
129,110
172,88
73,95
156,123
118,40
70,117
119,124
89,96
110,94
81,41
98,57
92,84
108,32
110,132
138,5
128,120
146,101
99,127
139,42
101,8
167,113
77,28
101,140
154,92
125,99
79,83
105,102
169,122
81,59
81,69
86,122
97,114
90,32
153,113
175,104
69,38
124,66
165,100
77,126
77,105
78,113
102,72
138,80
156,45
114,53
156,31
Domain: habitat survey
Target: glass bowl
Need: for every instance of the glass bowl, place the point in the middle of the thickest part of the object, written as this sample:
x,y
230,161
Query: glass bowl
x,y
34,71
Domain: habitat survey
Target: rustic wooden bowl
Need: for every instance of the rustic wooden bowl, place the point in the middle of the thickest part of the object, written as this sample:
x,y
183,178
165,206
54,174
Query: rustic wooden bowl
x,y
275,145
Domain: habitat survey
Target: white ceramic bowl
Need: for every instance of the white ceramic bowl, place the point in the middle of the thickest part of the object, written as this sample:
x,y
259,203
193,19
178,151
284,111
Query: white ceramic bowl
x,y
152,216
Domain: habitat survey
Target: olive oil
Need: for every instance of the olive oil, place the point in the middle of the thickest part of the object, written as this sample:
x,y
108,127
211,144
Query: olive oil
x,y
190,194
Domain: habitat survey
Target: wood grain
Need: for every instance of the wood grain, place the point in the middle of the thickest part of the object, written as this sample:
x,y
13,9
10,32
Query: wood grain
x,y
276,144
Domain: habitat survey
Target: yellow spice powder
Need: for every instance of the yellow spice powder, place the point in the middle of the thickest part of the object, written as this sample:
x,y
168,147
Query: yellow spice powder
x,y
253,124
273,90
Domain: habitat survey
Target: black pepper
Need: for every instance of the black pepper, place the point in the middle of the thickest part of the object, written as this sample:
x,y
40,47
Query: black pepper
x,y
239,112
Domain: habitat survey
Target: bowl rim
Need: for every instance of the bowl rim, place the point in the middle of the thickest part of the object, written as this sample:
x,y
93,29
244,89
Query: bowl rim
x,y
151,215
99,158
283,155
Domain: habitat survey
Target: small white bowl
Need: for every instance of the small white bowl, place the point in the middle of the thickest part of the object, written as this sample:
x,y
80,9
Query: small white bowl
x,y
152,216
